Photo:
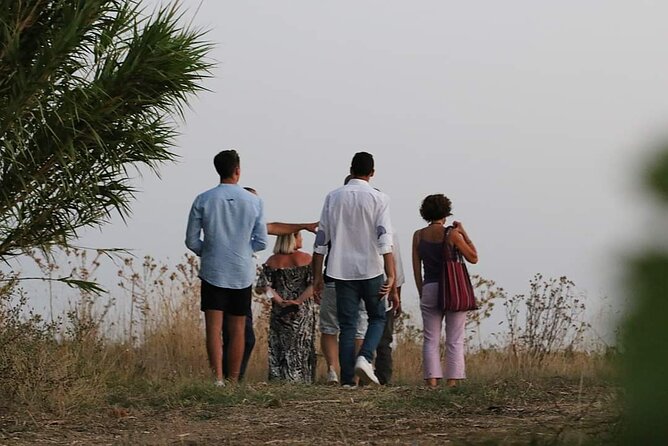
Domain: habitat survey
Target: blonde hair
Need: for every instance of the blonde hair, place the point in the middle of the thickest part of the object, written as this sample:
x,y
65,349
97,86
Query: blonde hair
x,y
285,244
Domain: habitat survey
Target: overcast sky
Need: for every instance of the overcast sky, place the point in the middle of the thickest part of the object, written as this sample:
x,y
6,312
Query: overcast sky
x,y
531,116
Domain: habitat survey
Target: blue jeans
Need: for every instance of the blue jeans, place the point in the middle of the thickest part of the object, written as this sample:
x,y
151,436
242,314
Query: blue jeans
x,y
348,296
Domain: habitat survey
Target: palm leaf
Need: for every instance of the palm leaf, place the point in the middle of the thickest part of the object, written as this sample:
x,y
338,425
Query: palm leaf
x,y
88,90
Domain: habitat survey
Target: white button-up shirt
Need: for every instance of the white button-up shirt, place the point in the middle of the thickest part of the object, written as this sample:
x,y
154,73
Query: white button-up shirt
x,y
356,219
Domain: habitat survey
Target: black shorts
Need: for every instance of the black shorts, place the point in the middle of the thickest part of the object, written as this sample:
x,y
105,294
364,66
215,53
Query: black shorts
x,y
229,300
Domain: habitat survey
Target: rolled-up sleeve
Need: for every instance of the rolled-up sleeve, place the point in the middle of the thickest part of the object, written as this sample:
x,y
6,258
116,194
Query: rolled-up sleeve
x,y
259,237
398,264
384,226
194,228
322,237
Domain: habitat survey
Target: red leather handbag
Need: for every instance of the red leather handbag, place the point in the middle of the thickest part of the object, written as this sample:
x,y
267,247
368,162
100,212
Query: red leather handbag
x,y
454,286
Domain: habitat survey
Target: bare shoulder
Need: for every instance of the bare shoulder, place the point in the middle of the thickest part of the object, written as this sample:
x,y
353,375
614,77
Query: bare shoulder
x,y
273,262
302,258
454,235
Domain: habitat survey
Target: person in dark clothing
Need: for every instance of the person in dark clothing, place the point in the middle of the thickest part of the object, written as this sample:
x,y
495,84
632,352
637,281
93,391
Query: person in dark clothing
x,y
249,336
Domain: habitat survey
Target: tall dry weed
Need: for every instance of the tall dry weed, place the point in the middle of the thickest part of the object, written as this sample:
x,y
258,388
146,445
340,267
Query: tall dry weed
x,y
40,367
549,319
164,334
158,336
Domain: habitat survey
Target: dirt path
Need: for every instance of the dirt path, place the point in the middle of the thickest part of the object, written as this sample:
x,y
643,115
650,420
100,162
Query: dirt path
x,y
498,414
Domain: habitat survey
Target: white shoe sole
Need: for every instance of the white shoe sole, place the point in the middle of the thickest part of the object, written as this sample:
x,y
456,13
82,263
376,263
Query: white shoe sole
x,y
365,378
332,378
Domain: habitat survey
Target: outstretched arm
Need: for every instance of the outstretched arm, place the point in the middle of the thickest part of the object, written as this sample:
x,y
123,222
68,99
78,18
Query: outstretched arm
x,y
278,228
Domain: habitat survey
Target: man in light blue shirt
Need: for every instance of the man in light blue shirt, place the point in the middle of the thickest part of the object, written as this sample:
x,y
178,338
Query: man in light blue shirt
x,y
225,227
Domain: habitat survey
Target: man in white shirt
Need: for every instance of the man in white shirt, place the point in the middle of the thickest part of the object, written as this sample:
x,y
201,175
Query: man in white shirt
x,y
355,219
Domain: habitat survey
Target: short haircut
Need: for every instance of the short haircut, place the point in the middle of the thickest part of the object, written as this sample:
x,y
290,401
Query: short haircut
x,y
285,244
226,162
434,207
362,164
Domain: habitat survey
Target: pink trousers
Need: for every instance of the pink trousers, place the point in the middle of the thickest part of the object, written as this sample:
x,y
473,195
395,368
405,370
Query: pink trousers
x,y
455,322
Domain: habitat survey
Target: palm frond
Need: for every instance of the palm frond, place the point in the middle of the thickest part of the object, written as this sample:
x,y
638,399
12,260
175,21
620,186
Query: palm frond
x,y
88,89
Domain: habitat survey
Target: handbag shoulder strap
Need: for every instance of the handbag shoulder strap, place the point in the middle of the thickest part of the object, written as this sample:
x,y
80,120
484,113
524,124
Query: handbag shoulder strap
x,y
447,230
446,246
450,252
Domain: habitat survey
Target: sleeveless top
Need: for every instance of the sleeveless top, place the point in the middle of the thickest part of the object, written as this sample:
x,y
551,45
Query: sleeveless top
x,y
431,254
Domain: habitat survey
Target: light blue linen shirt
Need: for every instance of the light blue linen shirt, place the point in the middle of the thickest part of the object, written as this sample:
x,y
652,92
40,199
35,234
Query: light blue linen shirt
x,y
225,227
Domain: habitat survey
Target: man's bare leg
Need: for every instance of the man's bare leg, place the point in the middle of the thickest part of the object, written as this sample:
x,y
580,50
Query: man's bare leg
x,y
235,351
330,349
213,320
358,347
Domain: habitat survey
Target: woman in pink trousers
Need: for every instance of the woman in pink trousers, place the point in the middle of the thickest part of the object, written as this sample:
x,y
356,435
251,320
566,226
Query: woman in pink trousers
x,y
427,264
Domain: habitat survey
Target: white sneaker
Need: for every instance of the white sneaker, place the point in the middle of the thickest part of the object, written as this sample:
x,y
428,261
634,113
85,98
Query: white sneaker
x,y
219,383
349,386
332,377
364,371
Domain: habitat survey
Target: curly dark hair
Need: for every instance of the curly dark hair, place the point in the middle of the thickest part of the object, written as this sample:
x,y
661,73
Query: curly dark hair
x,y
434,207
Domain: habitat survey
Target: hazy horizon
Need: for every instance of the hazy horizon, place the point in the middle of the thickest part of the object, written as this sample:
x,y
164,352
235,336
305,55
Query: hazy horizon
x,y
534,119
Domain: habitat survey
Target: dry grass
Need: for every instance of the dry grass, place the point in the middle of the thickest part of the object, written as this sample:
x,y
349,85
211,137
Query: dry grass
x,y
501,413
75,365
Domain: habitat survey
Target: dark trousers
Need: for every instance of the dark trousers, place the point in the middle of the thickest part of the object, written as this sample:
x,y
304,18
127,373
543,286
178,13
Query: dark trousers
x,y
348,296
384,351
249,343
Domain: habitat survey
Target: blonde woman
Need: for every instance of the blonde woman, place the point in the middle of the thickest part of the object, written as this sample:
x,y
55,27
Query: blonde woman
x,y
286,279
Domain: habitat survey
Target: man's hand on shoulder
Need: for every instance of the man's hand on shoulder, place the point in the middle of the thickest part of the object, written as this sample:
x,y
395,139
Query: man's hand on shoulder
x,y
311,227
